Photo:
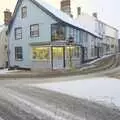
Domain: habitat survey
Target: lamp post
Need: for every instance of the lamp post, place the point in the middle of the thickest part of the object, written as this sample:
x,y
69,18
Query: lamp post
x,y
70,42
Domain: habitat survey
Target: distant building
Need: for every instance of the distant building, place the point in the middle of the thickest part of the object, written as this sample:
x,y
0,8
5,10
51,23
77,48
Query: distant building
x,y
4,39
109,42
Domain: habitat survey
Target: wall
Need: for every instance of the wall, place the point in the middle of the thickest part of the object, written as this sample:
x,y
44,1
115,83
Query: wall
x,y
3,47
34,16
87,21
108,34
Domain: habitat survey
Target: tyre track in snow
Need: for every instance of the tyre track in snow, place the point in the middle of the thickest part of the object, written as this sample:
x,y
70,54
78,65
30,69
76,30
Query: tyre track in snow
x,y
77,107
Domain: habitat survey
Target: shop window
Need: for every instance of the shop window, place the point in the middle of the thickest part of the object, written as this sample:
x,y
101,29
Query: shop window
x,y
58,52
34,30
58,32
18,53
40,53
74,51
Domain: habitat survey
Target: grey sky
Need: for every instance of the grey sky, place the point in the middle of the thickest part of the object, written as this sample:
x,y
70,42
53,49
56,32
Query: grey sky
x,y
107,9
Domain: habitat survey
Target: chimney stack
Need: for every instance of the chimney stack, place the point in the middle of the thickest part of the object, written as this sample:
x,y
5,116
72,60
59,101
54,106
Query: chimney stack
x,y
7,16
66,6
95,15
78,11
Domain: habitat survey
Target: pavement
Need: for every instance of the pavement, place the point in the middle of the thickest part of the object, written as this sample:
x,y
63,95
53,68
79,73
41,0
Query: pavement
x,y
104,64
18,101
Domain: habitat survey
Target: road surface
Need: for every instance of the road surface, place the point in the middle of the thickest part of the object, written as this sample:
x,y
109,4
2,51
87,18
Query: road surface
x,y
18,101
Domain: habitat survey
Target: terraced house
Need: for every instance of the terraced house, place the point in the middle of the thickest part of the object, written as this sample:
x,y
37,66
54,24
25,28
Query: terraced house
x,y
43,37
109,34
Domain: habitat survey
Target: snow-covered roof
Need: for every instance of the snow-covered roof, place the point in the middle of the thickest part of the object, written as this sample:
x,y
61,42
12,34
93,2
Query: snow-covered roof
x,y
64,17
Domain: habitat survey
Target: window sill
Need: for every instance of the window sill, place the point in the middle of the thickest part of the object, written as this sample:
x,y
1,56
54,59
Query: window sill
x,y
18,59
34,36
19,39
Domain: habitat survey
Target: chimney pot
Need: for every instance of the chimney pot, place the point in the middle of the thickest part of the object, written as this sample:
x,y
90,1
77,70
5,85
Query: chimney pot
x,y
78,11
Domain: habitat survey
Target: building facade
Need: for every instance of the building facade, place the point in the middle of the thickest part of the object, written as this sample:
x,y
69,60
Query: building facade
x,y
49,38
4,39
3,46
109,42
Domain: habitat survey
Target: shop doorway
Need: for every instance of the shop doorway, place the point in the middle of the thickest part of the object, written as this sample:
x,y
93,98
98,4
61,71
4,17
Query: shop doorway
x,y
58,54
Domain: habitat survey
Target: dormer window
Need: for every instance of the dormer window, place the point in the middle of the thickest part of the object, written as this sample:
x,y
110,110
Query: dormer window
x,y
24,12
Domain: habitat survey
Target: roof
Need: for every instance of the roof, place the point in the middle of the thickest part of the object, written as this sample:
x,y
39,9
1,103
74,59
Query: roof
x,y
64,17
58,14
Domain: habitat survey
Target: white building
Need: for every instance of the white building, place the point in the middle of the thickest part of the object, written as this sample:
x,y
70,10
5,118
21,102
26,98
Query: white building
x,y
3,46
42,37
109,34
4,40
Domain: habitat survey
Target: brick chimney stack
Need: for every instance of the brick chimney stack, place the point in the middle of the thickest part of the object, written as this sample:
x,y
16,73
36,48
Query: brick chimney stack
x,y
66,6
7,16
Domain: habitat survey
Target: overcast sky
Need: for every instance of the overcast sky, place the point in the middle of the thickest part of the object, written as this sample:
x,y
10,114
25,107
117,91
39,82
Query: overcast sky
x,y
108,10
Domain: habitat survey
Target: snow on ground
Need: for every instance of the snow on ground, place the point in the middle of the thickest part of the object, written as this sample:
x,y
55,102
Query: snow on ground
x,y
96,60
6,71
100,89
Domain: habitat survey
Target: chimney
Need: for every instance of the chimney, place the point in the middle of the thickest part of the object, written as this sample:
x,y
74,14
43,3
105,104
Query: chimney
x,y
66,6
95,15
78,11
7,16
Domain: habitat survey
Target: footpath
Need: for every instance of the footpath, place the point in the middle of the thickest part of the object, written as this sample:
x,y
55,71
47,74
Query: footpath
x,y
100,65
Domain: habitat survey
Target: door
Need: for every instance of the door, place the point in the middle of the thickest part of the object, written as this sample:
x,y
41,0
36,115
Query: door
x,y
58,57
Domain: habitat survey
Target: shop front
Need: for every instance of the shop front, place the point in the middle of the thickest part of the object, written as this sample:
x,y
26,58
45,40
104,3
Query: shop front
x,y
56,57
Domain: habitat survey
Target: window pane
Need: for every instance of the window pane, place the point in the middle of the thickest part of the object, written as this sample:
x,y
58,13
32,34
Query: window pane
x,y
34,30
58,52
74,51
18,33
24,12
40,53
58,32
34,27
18,53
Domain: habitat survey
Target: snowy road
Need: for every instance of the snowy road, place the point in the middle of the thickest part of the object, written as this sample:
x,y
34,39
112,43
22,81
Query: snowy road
x,y
19,101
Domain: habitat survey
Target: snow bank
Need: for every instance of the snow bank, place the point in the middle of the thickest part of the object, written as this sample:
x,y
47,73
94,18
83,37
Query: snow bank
x,y
6,71
96,60
103,89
